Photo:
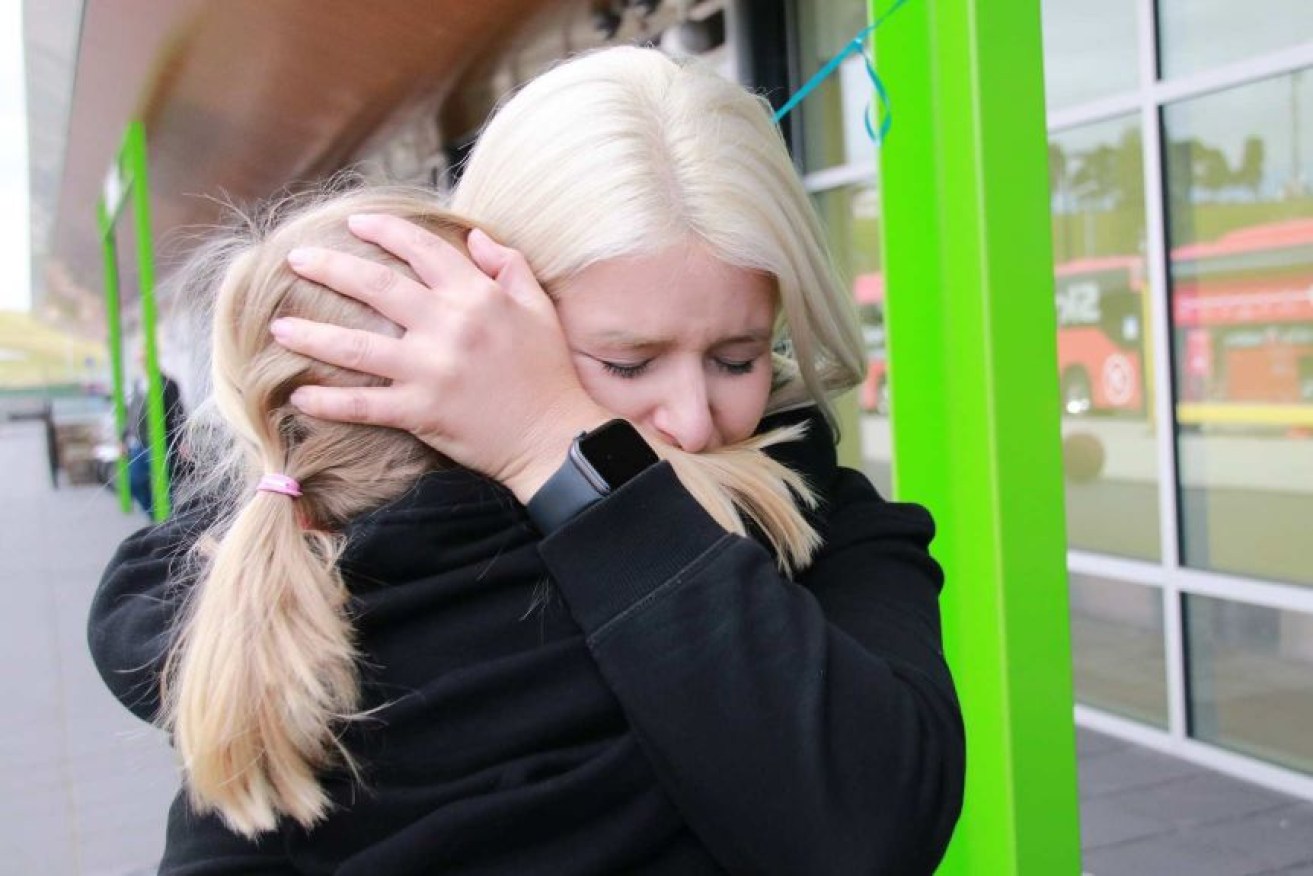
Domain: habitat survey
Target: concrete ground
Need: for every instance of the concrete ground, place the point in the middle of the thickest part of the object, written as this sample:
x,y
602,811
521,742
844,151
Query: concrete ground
x,y
88,785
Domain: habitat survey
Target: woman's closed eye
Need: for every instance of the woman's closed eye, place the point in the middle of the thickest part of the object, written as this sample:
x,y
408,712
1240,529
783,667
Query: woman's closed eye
x,y
625,369
730,366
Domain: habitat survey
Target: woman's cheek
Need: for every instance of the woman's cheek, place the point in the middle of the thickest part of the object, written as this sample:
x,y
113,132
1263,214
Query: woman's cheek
x,y
616,394
743,404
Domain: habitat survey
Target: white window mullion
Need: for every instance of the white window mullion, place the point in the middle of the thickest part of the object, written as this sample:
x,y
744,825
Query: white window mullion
x,y
1162,411
1094,111
1149,574
1234,588
838,176
1253,69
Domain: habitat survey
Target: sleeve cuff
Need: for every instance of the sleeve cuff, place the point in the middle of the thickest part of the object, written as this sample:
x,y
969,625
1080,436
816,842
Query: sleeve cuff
x,y
633,541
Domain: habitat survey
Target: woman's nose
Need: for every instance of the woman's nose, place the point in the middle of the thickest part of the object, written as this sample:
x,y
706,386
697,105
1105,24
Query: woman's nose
x,y
684,418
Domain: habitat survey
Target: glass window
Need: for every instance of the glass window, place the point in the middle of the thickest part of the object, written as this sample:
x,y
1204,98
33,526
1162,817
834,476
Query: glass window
x,y
851,215
1089,50
1117,647
1251,679
833,126
1102,297
1196,34
1239,171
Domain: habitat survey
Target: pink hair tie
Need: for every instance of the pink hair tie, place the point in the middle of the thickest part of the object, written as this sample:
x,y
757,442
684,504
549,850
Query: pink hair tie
x,y
278,483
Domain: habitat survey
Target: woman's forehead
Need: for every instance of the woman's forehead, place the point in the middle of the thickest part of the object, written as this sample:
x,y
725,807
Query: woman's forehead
x,y
672,298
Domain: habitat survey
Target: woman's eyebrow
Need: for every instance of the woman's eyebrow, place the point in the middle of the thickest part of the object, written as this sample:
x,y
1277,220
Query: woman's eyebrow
x,y
625,338
756,336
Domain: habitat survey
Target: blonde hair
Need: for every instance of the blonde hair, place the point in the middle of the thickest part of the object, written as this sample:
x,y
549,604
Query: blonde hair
x,y
262,676
625,151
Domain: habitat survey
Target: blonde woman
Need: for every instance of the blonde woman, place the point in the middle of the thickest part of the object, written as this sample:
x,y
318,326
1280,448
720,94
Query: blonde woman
x,y
680,704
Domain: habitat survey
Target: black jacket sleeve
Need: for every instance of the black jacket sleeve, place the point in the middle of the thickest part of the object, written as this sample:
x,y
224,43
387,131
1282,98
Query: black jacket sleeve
x,y
133,611
800,727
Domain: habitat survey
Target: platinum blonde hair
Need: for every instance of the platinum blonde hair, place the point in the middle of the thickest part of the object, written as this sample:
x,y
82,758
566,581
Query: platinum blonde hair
x,y
625,151
261,676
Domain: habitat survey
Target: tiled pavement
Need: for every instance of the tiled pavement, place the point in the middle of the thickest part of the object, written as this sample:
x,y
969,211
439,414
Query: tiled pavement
x,y
86,785
1146,814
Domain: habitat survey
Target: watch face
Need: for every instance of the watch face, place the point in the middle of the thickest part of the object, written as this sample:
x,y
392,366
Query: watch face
x,y
616,452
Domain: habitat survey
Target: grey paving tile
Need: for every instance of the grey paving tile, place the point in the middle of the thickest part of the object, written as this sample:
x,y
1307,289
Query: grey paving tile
x,y
1299,870
122,849
1279,838
1169,855
1091,743
36,835
1201,798
1105,821
1128,768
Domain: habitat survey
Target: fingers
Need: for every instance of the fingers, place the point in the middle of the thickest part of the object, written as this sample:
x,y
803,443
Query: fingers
x,y
505,265
392,294
435,261
371,406
357,350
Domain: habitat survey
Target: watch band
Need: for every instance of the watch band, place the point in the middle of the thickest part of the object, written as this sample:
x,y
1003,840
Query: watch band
x,y
565,495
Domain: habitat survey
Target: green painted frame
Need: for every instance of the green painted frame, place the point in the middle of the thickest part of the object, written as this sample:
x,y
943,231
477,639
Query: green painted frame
x,y
127,181
972,343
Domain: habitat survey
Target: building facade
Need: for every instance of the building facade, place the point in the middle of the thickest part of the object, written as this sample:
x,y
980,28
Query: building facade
x,y
1181,169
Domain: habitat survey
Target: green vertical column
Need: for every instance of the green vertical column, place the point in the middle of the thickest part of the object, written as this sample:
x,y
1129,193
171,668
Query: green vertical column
x,y
114,320
972,343
134,161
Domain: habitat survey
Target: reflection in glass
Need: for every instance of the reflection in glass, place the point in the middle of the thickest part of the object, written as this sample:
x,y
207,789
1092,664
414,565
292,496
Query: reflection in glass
x,y
1117,647
833,116
1239,168
851,215
1251,679
1101,293
1089,50
1197,34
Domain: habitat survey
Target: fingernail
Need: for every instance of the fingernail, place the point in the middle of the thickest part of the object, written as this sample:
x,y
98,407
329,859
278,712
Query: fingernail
x,y
360,221
297,397
299,257
280,328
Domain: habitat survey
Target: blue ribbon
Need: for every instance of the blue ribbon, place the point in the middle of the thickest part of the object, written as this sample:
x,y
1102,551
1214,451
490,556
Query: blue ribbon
x,y
857,44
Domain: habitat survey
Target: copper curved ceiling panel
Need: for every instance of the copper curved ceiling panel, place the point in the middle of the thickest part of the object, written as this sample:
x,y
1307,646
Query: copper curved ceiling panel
x,y
242,97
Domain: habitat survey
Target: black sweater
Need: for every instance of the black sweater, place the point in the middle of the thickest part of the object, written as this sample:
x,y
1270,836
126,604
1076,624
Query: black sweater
x,y
677,707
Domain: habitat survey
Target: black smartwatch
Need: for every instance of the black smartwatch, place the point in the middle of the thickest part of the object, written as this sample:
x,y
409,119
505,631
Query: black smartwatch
x,y
599,462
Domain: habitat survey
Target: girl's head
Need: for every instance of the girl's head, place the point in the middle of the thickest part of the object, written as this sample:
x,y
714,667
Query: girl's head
x,y
625,155
342,468
262,670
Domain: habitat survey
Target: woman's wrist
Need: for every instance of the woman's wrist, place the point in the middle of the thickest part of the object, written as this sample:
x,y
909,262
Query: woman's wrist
x,y
548,443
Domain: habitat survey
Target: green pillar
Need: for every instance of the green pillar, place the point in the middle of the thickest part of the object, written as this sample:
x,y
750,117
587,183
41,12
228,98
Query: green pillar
x,y
976,432
127,181
134,159
114,321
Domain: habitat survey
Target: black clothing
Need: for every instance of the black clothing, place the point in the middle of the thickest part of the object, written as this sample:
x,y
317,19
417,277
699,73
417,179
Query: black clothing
x,y
677,707
137,433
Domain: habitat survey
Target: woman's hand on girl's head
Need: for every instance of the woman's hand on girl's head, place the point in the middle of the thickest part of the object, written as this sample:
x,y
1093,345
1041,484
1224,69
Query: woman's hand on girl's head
x,y
481,372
